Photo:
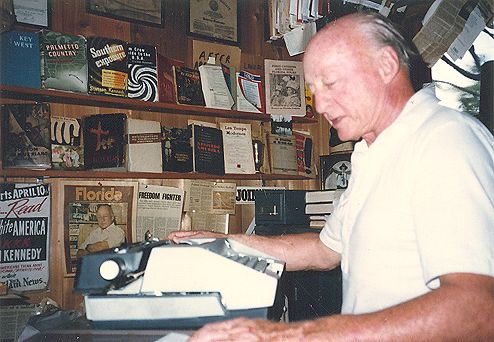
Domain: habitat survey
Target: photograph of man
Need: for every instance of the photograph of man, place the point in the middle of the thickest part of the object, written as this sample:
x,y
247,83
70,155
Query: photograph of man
x,y
106,235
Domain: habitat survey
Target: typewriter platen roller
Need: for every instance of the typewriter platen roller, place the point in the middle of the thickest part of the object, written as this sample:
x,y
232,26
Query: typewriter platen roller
x,y
159,284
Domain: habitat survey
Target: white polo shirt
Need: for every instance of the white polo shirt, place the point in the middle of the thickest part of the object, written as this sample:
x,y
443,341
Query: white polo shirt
x,y
420,204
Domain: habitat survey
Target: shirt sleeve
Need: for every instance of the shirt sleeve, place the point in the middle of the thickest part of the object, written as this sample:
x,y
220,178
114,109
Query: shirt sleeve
x,y
331,233
454,201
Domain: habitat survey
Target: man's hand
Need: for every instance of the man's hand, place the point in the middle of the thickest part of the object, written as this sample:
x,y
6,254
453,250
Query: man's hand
x,y
248,330
178,236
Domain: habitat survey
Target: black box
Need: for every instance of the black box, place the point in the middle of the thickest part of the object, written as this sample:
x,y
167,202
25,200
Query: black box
x,y
280,207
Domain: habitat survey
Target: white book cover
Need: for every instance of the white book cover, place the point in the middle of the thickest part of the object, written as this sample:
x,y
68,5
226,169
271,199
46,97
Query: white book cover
x,y
143,148
214,87
237,146
319,208
320,196
285,92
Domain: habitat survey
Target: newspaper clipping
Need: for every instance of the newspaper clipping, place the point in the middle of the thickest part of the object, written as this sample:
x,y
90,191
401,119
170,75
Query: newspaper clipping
x,y
24,235
97,215
159,210
208,204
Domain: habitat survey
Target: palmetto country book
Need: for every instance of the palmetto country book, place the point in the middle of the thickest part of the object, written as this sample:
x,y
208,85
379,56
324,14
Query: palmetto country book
x,y
63,61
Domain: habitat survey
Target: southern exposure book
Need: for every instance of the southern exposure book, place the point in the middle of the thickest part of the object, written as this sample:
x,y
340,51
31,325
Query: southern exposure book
x,y
63,61
107,66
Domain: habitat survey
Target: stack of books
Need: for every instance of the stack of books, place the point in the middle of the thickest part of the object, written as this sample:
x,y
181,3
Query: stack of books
x,y
319,205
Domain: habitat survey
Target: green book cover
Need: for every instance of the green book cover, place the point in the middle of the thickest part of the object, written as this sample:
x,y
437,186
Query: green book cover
x,y
63,61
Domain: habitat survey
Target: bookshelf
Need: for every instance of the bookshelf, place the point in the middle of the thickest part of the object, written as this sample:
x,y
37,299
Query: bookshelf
x,y
53,96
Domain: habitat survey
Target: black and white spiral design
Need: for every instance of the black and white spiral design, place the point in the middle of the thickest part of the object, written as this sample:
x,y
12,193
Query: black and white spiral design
x,y
143,83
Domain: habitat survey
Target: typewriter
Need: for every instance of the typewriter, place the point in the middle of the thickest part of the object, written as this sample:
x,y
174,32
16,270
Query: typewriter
x,y
158,284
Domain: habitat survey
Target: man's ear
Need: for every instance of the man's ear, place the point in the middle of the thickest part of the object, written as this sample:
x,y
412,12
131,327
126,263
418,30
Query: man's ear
x,y
389,64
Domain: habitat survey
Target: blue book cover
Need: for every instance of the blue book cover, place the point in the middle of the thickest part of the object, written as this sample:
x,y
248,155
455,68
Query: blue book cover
x,y
20,59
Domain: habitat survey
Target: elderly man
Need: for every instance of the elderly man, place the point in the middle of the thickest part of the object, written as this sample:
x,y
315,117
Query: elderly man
x,y
414,231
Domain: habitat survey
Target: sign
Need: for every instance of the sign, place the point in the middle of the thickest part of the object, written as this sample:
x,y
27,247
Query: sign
x,y
24,235
246,194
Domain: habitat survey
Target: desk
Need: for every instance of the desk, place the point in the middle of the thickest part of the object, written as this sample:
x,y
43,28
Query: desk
x,y
81,331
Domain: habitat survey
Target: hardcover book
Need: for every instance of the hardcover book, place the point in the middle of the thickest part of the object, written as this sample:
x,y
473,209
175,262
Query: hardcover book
x,y
143,148
207,147
67,149
282,154
26,135
143,74
107,66
237,145
304,150
165,78
177,150
214,87
20,59
188,86
63,61
104,141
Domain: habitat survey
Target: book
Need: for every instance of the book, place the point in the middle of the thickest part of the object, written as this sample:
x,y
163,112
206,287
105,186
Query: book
x,y
176,149
214,87
310,110
285,93
249,92
63,61
319,208
142,72
67,148
259,131
188,87
282,154
143,147
20,58
207,149
26,135
316,196
166,85
318,224
107,66
304,151
237,146
104,146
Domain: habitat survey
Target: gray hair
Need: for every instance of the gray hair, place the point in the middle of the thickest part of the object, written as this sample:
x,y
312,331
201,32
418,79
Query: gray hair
x,y
382,32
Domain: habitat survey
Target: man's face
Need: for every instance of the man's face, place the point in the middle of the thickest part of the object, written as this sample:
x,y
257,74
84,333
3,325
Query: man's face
x,y
345,83
104,217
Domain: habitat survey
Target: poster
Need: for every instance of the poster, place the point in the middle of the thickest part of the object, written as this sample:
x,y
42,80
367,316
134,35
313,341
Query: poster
x,y
24,235
335,171
97,215
215,19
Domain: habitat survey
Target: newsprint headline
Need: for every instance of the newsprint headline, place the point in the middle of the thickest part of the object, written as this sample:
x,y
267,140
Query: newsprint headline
x,y
24,235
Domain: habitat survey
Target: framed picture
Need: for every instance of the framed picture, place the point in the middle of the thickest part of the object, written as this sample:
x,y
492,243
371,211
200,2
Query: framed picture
x,y
32,12
214,19
95,212
335,170
147,12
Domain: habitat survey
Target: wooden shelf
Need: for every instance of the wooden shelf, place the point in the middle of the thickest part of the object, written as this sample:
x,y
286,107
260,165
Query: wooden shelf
x,y
28,173
54,96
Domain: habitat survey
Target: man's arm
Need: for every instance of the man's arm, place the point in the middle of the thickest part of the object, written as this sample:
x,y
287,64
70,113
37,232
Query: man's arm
x,y
462,309
298,251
